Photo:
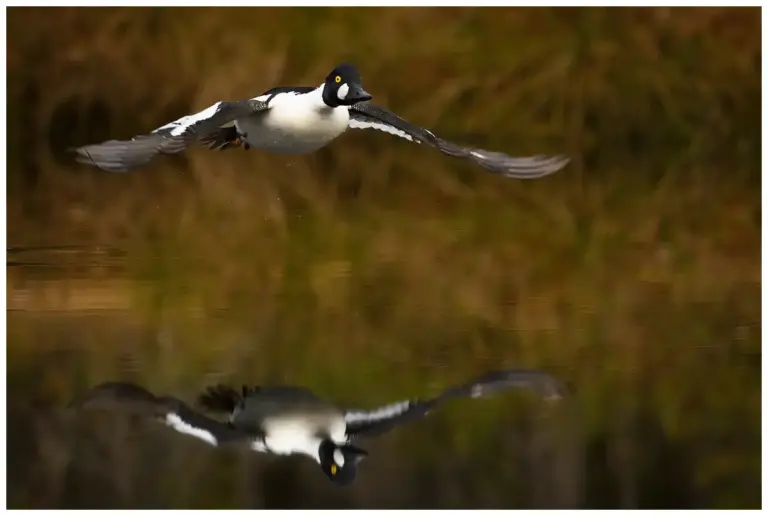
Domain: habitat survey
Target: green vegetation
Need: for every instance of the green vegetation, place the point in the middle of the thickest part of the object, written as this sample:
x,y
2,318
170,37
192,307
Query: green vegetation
x,y
377,268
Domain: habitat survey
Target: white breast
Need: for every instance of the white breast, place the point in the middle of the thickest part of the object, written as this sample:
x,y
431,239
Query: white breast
x,y
295,124
288,435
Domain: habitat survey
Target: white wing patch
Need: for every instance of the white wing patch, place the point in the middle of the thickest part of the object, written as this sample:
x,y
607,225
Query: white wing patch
x,y
356,123
183,123
258,445
261,98
385,412
175,422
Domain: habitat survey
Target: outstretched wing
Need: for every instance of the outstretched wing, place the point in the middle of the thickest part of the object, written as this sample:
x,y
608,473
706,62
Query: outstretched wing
x,y
168,410
369,116
381,420
172,138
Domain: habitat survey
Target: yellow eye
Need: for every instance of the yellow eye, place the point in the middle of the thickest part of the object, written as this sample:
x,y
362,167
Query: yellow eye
x,y
333,466
338,79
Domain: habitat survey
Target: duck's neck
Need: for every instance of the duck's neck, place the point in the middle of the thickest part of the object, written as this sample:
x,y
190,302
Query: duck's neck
x,y
328,99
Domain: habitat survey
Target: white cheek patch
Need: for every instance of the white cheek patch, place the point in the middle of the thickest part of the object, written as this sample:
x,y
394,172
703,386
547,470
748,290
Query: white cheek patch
x,y
178,424
338,458
343,91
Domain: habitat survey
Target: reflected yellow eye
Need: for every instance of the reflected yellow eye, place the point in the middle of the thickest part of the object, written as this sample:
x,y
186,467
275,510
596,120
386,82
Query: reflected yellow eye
x,y
333,466
338,79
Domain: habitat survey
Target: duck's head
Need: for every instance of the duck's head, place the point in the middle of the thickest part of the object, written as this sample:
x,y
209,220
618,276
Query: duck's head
x,y
339,462
342,87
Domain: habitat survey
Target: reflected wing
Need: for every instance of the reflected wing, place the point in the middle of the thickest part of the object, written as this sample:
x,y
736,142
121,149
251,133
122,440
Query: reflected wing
x,y
369,116
172,138
383,419
541,383
170,411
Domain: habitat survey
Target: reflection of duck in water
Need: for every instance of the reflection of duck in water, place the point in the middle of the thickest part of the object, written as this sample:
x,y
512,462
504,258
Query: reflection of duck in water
x,y
293,420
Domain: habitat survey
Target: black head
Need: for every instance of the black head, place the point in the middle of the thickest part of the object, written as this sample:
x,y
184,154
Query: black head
x,y
339,462
342,87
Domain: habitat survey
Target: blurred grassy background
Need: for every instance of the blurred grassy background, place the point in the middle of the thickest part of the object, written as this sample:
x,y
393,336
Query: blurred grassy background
x,y
376,269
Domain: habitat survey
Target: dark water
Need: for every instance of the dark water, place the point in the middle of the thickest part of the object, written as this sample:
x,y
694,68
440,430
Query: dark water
x,y
510,452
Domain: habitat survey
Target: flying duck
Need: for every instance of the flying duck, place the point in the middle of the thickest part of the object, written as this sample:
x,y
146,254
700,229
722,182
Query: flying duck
x,y
286,420
296,120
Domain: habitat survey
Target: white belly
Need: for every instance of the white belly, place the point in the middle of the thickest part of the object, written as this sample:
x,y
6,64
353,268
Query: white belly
x,y
293,129
290,434
288,437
